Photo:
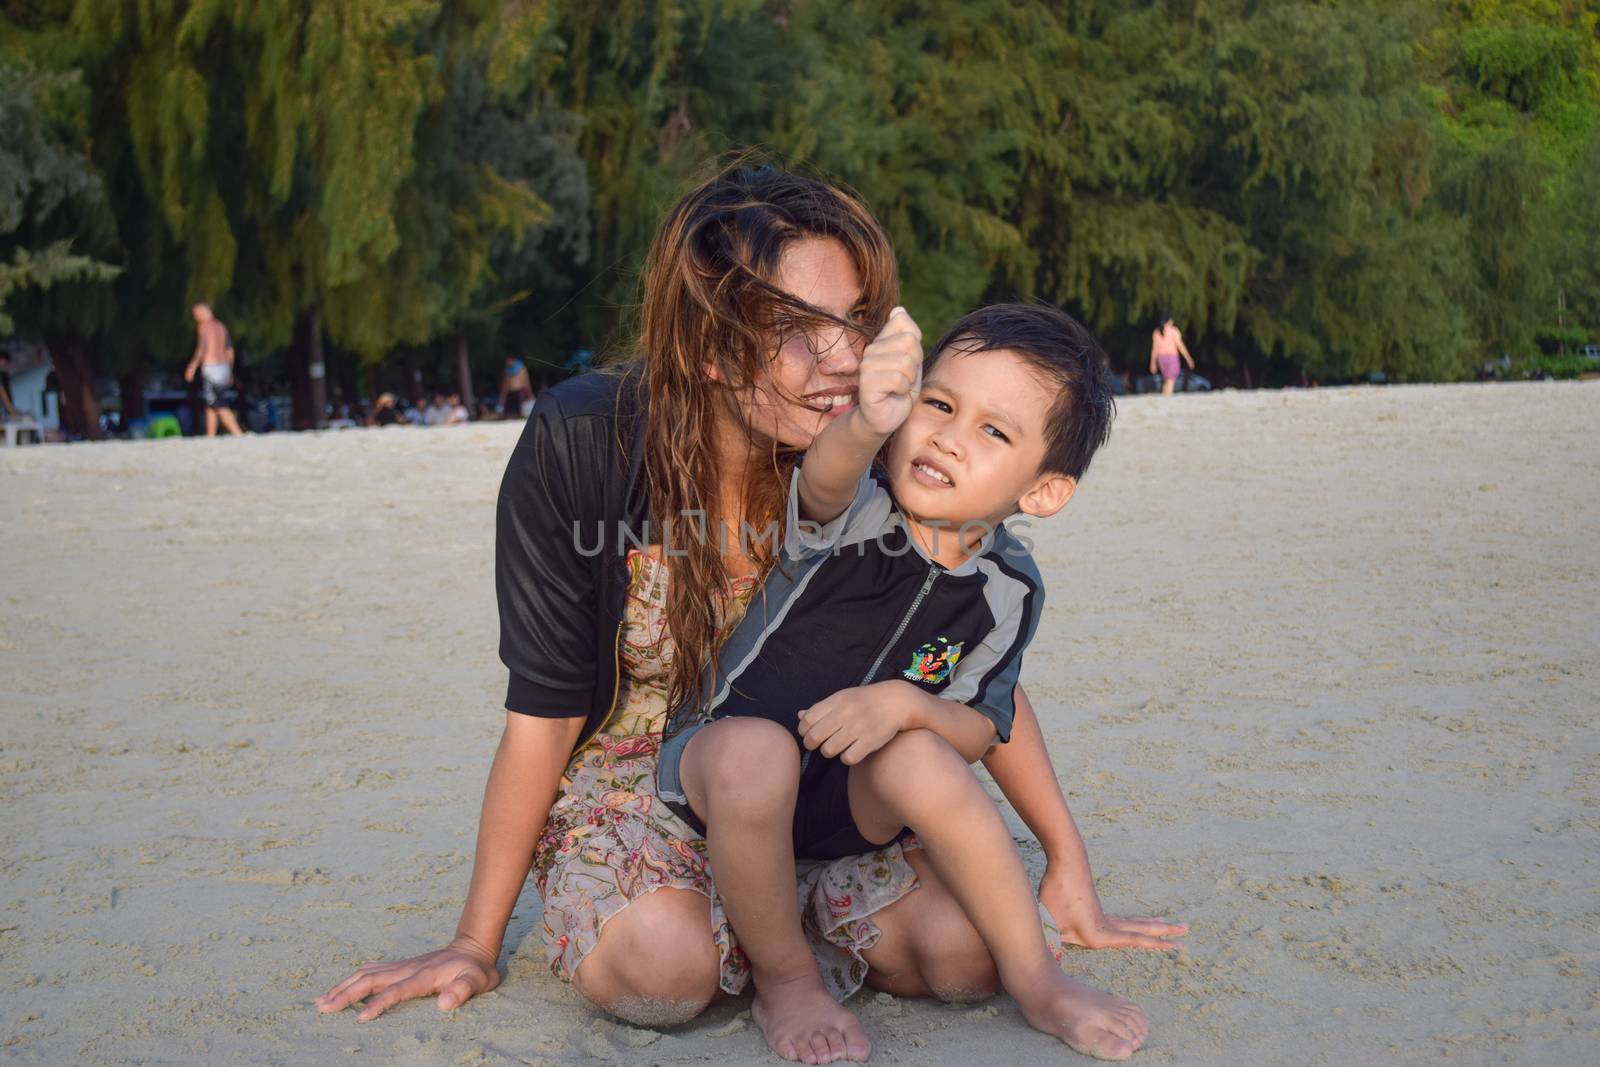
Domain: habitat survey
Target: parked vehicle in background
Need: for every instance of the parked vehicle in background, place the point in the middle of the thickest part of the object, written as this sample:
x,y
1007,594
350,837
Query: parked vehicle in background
x,y
1590,352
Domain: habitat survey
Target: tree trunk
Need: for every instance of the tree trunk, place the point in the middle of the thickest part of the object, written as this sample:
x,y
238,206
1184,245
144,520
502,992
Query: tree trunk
x,y
350,383
317,371
299,379
464,373
80,411
133,405
308,374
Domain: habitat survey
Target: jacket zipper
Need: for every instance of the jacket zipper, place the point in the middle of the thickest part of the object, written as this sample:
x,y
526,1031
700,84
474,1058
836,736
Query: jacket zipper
x,y
905,620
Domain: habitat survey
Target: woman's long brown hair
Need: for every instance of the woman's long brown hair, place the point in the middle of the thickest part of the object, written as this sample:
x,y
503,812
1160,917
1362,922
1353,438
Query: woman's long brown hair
x,y
710,305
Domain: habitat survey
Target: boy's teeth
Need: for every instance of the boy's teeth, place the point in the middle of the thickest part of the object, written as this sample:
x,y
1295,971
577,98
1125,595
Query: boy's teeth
x,y
925,469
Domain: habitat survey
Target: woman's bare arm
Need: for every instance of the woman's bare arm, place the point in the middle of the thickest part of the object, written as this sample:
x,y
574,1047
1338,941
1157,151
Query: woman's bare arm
x,y
523,782
1184,350
1024,773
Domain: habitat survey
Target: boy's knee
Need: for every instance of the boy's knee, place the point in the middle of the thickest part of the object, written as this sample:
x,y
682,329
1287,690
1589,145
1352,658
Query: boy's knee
x,y
916,773
919,755
754,757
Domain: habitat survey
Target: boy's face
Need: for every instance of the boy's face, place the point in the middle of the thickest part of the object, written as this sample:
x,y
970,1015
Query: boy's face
x,y
972,446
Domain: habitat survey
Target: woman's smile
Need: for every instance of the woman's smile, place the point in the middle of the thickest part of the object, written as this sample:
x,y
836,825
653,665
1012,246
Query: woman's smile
x,y
832,402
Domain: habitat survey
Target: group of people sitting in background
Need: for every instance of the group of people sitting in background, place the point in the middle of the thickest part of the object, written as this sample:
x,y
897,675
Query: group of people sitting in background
x,y
515,401
440,411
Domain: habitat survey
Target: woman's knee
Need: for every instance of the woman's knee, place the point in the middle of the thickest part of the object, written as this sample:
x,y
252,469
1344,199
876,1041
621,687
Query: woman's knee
x,y
955,964
948,951
656,963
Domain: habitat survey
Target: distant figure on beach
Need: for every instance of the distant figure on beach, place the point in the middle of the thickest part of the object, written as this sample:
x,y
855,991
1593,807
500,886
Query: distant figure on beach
x,y
458,411
1166,345
515,384
384,411
213,357
438,412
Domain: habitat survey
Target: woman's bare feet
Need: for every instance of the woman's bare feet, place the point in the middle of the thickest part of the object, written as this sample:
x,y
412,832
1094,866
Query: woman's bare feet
x,y
1094,1023
801,1021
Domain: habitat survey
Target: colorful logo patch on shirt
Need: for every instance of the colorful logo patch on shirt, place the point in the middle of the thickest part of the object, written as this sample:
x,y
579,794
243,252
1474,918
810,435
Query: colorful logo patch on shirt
x,y
933,662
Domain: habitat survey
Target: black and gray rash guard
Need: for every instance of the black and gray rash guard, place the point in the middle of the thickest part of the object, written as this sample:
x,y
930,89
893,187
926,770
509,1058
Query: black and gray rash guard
x,y
856,601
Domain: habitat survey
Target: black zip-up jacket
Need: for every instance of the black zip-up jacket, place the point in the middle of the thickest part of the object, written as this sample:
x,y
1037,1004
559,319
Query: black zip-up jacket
x,y
572,497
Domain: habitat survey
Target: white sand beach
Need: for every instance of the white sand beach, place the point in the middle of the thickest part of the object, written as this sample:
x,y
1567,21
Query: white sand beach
x,y
1319,671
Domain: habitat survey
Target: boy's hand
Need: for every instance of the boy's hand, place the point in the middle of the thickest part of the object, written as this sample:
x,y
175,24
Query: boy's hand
x,y
851,724
891,374
1083,923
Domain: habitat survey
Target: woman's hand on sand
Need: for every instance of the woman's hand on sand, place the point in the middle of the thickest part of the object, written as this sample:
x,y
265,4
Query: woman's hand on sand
x,y
457,973
1083,923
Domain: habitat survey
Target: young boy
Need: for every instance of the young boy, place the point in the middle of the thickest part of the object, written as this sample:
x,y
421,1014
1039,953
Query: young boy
x,y
888,643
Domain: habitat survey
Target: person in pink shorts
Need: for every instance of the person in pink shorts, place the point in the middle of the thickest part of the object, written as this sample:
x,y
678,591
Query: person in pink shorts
x,y
1166,345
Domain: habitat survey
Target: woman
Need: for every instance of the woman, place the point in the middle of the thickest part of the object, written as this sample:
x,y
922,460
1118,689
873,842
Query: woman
x,y
760,291
1166,345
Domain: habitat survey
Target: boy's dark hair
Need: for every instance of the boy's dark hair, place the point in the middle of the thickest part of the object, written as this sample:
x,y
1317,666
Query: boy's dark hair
x,y
1059,347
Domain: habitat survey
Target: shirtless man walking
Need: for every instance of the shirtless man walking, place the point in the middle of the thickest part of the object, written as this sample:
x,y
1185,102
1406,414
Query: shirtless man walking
x,y
516,385
213,357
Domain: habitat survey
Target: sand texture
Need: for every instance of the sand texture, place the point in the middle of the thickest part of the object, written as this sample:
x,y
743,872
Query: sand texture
x,y
1319,671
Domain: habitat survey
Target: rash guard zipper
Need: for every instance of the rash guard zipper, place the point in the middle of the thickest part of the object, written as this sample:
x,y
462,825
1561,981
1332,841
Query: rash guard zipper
x,y
905,620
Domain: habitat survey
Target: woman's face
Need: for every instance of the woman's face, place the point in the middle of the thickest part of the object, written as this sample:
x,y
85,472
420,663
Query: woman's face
x,y
809,380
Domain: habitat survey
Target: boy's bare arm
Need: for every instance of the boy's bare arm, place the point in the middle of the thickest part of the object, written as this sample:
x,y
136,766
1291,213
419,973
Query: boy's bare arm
x,y
891,375
969,731
854,723
834,464
1024,773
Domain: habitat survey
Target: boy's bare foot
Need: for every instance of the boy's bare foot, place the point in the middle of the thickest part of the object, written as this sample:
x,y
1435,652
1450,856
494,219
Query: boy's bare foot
x,y
802,1022
1094,1023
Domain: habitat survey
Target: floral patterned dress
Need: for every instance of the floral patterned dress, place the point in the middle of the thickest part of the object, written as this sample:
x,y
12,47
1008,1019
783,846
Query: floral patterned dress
x,y
609,839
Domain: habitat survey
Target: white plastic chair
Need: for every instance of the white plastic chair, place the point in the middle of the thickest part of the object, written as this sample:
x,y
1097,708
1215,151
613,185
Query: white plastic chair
x,y
15,428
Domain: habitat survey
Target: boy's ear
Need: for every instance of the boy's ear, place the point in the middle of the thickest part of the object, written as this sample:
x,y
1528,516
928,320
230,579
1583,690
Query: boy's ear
x,y
1048,495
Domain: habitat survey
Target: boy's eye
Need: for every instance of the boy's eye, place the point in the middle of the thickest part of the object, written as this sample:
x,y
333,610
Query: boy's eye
x,y
992,431
937,404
